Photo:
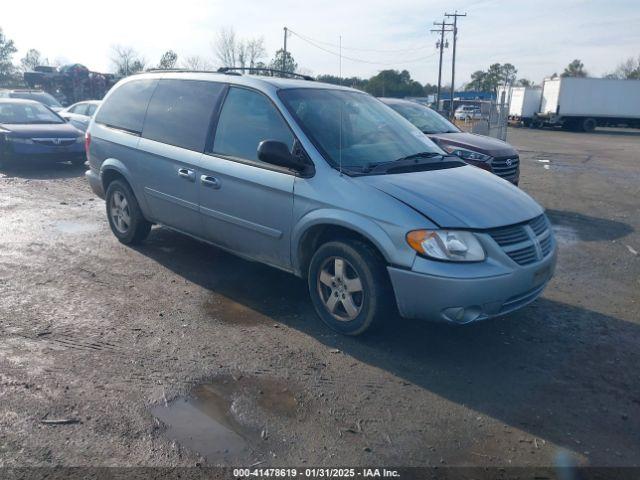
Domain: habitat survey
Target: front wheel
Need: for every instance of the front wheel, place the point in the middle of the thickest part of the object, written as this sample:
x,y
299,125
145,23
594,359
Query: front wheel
x,y
349,287
125,217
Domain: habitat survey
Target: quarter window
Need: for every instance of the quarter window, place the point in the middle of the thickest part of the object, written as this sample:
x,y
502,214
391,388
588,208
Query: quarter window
x,y
125,107
80,109
247,118
180,112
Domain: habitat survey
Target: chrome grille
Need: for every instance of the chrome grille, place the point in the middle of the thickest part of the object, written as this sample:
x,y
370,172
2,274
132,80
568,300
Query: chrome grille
x,y
505,167
55,142
525,243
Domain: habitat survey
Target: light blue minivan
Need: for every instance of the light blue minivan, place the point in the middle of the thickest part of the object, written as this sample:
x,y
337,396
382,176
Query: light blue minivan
x,y
322,181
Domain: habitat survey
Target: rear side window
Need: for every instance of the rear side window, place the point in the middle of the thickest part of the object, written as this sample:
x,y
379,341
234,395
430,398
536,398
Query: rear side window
x,y
180,112
247,118
79,109
126,106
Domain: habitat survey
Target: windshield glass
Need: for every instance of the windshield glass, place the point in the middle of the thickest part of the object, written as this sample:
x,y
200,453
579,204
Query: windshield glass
x,y
354,128
424,118
26,113
42,97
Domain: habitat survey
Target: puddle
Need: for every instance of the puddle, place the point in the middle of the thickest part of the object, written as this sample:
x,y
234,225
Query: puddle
x,y
565,235
572,227
75,228
226,420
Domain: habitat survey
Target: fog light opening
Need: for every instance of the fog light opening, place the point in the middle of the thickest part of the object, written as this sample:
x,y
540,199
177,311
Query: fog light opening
x,y
462,315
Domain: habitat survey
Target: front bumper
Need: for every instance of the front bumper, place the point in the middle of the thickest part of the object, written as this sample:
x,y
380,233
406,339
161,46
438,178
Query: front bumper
x,y
41,153
459,293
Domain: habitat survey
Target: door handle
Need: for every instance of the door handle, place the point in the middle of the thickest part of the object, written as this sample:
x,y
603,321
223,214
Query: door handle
x,y
211,182
188,174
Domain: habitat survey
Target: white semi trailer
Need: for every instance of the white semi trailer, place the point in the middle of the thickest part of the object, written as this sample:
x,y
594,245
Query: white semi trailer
x,y
586,103
524,103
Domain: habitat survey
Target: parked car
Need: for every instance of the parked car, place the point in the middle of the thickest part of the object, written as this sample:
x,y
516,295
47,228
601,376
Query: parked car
x,y
322,181
31,132
484,152
37,95
467,112
79,114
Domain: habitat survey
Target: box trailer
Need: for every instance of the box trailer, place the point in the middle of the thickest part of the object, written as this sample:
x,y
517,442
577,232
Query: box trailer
x,y
524,103
586,103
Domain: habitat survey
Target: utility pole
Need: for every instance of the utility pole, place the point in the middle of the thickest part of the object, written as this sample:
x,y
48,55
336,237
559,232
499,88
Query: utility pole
x,y
453,62
284,55
440,45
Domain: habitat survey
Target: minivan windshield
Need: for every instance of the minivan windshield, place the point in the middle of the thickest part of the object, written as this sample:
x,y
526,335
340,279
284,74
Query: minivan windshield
x,y
27,113
355,130
424,118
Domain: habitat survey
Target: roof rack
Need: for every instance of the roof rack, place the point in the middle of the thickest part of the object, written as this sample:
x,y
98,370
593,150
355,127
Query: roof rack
x,y
272,71
231,71
174,70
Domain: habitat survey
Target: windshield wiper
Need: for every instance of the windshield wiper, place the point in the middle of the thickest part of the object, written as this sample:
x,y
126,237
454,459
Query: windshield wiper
x,y
413,159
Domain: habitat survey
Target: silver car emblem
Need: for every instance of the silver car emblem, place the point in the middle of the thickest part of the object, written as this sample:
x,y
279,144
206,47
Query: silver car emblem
x,y
57,141
509,162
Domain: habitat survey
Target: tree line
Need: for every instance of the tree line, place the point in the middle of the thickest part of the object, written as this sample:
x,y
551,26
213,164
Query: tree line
x,y
230,50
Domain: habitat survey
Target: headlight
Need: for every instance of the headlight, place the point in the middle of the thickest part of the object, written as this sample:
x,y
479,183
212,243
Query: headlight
x,y
466,154
447,245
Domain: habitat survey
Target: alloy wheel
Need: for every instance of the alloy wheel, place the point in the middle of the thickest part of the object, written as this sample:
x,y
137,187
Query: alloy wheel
x,y
120,213
340,289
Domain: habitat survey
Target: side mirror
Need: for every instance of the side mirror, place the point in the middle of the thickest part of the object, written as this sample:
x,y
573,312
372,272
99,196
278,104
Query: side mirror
x,y
277,153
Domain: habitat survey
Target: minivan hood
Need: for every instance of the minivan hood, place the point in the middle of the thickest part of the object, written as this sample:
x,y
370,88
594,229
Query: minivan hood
x,y
479,143
35,130
462,197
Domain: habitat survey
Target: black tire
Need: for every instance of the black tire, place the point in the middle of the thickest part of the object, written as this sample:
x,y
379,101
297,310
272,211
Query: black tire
x,y
374,303
137,228
589,125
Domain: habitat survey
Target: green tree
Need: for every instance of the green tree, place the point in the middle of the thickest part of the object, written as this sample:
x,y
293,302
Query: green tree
x,y
478,81
429,89
524,82
7,49
394,83
168,60
495,75
574,69
284,61
353,82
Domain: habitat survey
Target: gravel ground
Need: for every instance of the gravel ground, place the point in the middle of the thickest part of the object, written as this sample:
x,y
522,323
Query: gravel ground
x,y
97,340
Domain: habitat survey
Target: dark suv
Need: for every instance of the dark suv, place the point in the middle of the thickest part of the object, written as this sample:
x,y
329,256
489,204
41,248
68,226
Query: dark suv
x,y
484,152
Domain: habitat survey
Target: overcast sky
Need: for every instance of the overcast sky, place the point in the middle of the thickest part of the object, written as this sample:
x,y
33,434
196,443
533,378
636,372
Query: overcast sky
x,y
539,37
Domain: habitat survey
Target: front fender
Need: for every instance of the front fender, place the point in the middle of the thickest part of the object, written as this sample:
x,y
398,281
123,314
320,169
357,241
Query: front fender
x,y
388,240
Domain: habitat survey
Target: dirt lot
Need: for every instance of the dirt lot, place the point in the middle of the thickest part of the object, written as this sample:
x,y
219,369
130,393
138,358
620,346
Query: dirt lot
x,y
98,339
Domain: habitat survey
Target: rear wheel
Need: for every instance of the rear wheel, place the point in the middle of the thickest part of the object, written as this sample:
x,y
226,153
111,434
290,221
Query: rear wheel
x,y
349,286
589,125
125,217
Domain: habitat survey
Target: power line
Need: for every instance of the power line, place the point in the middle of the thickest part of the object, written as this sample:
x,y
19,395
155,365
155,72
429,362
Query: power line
x,y
329,44
359,60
